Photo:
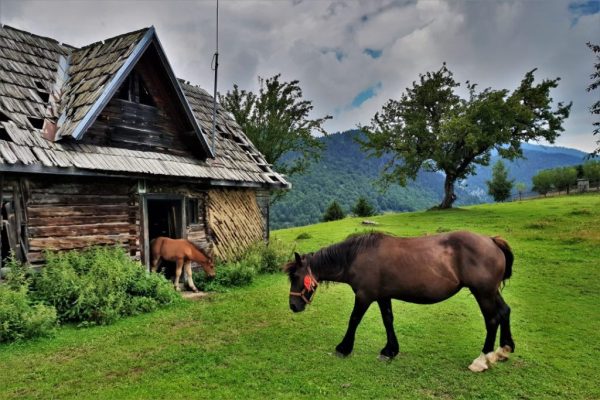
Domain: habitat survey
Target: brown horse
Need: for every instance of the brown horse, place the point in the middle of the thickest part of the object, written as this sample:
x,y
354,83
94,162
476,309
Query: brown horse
x,y
422,270
182,252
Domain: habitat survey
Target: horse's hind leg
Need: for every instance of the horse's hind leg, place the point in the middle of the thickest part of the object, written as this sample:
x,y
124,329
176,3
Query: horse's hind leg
x,y
178,269
347,344
507,345
490,308
391,347
188,272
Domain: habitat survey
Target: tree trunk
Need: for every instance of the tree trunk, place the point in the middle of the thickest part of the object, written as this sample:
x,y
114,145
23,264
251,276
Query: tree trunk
x,y
449,196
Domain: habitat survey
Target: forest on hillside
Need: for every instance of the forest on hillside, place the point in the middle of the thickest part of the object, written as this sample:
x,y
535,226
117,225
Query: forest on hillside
x,y
345,173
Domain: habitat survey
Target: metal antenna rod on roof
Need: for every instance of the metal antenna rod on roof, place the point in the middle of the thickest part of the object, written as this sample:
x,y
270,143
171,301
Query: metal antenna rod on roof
x,y
215,67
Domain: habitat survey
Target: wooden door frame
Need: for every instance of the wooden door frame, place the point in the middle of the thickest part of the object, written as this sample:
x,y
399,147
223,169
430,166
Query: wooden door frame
x,y
145,233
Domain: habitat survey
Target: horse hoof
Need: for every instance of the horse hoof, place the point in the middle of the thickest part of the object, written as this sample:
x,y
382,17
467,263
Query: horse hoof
x,y
503,353
341,355
384,358
492,357
479,364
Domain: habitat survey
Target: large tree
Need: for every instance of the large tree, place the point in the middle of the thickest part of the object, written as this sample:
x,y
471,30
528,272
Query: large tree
x,y
432,128
595,76
276,119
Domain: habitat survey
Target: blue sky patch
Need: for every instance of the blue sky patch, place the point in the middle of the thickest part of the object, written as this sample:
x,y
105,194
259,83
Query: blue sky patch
x,y
339,54
581,8
373,53
365,95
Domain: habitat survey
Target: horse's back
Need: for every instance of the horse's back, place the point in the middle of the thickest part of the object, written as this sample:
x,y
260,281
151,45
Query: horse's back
x,y
431,268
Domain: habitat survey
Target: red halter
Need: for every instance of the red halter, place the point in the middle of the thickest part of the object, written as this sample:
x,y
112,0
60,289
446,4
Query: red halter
x,y
310,285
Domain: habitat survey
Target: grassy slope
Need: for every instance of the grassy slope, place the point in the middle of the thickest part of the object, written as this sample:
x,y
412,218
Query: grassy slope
x,y
246,342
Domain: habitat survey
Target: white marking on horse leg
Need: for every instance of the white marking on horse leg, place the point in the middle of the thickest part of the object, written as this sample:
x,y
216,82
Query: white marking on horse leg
x,y
491,357
479,364
178,270
190,281
503,353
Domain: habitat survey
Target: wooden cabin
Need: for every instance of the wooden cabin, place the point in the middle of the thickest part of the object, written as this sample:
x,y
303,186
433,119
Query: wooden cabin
x,y
104,145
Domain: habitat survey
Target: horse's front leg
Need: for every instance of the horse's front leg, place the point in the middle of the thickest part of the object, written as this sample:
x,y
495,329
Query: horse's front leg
x,y
188,272
155,264
360,307
178,269
391,348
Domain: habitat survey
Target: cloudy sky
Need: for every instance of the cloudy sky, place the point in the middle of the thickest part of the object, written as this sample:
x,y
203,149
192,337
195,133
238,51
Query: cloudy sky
x,y
350,56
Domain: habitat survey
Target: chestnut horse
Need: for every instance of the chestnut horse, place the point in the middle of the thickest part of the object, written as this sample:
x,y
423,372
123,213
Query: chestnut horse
x,y
421,270
182,252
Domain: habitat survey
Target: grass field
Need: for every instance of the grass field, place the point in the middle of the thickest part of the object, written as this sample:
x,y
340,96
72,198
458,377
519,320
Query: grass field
x,y
247,344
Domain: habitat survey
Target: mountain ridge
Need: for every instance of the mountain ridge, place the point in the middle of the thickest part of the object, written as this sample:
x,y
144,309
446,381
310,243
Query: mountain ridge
x,y
345,173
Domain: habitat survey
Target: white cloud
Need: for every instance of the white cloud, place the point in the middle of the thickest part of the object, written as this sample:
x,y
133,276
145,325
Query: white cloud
x,y
491,43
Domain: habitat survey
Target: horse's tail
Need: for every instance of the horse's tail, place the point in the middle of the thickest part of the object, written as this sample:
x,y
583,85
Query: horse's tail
x,y
508,255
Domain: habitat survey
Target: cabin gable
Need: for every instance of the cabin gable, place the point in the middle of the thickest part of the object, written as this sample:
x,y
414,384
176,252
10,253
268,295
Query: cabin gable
x,y
146,114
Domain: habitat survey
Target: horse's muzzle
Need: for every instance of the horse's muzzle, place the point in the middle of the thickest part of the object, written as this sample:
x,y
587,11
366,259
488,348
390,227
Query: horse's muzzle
x,y
297,307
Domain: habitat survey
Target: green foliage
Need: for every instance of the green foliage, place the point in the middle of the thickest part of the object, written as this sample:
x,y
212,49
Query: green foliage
x,y
432,128
20,316
591,171
99,285
333,212
595,76
17,276
521,189
543,181
564,178
363,208
260,258
276,121
500,186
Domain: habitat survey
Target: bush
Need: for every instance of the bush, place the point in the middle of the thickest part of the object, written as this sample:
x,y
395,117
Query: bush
x,y
303,236
99,286
228,275
20,318
260,258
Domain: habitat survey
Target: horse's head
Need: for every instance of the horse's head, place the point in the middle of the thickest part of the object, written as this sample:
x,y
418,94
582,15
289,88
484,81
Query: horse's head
x,y
303,282
209,268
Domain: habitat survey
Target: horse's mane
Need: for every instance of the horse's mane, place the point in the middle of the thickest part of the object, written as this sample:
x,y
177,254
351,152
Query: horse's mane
x,y
337,258
200,249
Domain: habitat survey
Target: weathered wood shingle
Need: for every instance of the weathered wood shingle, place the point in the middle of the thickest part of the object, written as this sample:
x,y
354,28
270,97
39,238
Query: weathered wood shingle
x,y
43,81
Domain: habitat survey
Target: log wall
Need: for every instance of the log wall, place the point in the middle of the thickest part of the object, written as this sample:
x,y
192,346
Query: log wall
x,y
65,214
235,220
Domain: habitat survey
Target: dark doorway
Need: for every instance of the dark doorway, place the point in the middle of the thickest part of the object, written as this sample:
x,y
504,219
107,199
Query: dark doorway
x,y
165,219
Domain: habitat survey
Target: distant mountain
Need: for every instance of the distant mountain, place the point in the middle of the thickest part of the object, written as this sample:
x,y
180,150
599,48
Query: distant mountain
x,y
345,173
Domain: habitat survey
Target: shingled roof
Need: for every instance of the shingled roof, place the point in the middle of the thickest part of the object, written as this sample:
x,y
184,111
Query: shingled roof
x,y
50,93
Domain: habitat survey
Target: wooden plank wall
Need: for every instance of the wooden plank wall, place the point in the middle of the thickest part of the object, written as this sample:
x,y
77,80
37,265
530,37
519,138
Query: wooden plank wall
x,y
130,125
263,198
68,214
15,221
235,221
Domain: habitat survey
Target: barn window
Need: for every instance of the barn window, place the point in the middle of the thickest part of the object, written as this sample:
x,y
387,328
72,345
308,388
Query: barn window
x,y
192,211
134,89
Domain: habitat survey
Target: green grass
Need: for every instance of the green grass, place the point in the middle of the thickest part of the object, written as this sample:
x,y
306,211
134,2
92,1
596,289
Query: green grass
x,y
246,342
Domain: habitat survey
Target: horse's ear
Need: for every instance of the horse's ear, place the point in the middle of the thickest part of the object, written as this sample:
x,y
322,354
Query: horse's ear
x,y
298,258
